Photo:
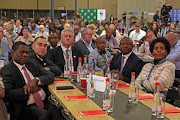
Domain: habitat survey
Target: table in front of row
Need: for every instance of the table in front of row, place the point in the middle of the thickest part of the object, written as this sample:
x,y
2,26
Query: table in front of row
x,y
73,106
122,108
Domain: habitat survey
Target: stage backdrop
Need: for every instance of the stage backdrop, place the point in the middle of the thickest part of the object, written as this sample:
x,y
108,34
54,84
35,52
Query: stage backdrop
x,y
92,14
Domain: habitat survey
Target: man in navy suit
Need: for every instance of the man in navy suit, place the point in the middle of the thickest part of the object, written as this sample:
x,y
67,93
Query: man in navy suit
x,y
24,97
58,54
126,62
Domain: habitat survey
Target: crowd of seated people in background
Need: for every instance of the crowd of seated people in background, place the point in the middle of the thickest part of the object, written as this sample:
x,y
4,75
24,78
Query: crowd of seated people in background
x,y
45,45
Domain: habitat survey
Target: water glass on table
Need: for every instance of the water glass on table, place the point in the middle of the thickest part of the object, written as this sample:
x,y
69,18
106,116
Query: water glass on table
x,y
114,79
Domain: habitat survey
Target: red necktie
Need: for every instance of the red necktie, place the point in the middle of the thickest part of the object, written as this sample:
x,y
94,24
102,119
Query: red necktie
x,y
36,95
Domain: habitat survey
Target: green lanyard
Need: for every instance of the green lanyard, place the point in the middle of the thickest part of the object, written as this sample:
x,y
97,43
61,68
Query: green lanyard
x,y
39,57
171,51
106,58
69,60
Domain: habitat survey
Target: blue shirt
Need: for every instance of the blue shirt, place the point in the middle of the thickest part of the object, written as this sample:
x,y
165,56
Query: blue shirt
x,y
5,50
36,29
175,55
88,46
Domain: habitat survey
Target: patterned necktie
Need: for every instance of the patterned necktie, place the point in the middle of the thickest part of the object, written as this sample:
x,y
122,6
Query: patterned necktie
x,y
122,63
67,52
36,95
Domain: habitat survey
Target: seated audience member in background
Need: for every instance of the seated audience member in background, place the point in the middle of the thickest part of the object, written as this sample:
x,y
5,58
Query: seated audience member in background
x,y
3,113
5,47
160,70
137,34
26,36
126,61
111,41
77,33
58,54
26,86
100,55
174,54
18,27
155,28
37,56
33,29
42,32
53,41
144,48
10,33
85,43
93,28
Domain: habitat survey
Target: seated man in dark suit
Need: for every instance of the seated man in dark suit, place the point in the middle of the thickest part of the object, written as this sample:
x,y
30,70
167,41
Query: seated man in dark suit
x,y
53,41
22,79
39,50
58,55
85,44
126,61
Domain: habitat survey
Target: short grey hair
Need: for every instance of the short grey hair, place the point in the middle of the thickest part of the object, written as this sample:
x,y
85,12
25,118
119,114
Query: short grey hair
x,y
67,29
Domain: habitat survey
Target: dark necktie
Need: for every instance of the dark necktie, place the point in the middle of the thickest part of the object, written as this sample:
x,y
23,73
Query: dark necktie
x,y
36,95
122,63
67,52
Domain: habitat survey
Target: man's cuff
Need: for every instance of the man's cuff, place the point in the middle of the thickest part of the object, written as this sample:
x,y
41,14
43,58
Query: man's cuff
x,y
39,81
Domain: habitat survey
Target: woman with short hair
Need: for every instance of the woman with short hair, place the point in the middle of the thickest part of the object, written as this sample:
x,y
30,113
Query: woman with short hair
x,y
160,70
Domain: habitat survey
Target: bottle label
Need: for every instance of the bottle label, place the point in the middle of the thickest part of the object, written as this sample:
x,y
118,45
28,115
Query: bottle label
x,y
158,108
132,95
106,103
90,91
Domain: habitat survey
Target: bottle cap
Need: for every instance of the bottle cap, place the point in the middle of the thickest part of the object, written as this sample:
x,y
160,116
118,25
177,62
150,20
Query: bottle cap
x,y
90,70
80,59
93,60
156,83
132,73
85,55
66,56
107,79
108,63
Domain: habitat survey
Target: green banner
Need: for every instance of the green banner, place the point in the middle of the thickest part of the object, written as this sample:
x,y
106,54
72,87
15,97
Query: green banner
x,y
88,15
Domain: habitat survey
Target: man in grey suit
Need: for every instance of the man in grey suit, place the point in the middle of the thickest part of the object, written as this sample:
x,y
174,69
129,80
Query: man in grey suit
x,y
85,43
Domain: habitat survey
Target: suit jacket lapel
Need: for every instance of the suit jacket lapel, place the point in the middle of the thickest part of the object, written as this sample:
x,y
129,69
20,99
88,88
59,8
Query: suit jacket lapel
x,y
128,62
16,70
60,53
85,47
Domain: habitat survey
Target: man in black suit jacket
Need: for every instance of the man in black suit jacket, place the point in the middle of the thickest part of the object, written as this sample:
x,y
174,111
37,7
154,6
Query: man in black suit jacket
x,y
85,44
58,55
131,62
22,79
37,55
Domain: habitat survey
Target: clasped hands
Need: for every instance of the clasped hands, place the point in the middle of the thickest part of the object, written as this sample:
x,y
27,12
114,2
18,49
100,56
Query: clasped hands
x,y
31,87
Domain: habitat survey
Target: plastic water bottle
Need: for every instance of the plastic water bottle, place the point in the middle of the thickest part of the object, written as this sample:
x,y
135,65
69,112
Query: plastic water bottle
x,y
156,101
90,85
85,66
66,68
92,66
106,96
79,69
133,90
108,72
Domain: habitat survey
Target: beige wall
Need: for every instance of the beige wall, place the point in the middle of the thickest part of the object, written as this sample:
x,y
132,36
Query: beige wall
x,y
18,4
174,3
114,7
139,6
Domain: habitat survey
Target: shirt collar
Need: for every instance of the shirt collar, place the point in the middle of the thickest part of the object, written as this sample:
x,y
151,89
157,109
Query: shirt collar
x,y
18,65
127,55
64,49
86,43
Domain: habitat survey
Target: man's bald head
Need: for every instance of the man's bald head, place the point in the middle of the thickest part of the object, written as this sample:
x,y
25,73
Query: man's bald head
x,y
172,38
